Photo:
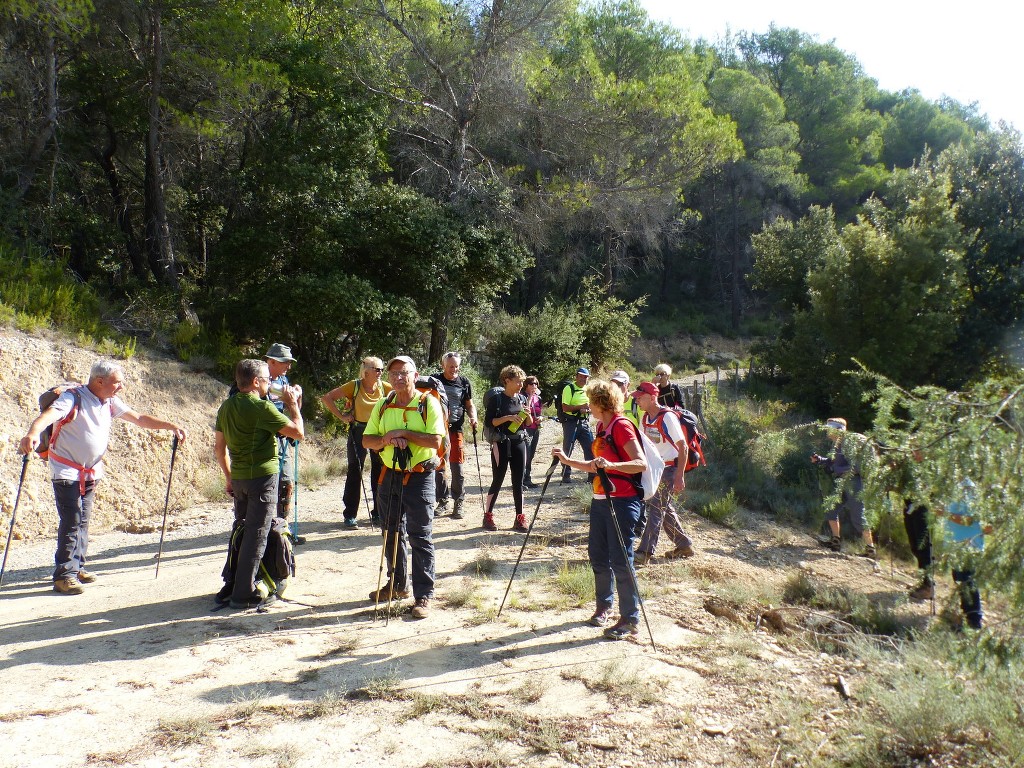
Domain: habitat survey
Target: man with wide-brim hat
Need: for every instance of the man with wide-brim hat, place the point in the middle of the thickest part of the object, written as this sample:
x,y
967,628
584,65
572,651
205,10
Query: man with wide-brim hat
x,y
279,359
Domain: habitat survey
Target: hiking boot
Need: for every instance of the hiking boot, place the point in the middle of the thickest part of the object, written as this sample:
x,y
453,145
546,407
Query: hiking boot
x,y
386,593
642,558
869,552
601,617
520,524
530,484
489,522
621,630
224,596
682,551
255,600
457,511
441,508
924,591
422,608
86,577
68,585
566,481
350,523
834,543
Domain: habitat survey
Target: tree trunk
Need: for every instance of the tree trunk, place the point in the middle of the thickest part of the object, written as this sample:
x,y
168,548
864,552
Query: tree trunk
x,y
122,213
45,135
438,336
736,286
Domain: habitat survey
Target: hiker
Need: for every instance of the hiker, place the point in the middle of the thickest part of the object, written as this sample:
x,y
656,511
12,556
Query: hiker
x,y
358,397
662,426
619,452
630,407
840,467
75,455
531,389
669,394
247,444
575,424
460,405
407,427
508,413
279,360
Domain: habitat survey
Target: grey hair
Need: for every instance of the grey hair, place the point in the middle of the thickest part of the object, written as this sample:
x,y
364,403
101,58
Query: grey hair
x,y
249,369
663,368
451,356
372,362
103,368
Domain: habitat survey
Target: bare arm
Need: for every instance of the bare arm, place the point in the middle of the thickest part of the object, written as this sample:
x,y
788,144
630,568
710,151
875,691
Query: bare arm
x,y
294,428
330,401
150,422
220,450
41,422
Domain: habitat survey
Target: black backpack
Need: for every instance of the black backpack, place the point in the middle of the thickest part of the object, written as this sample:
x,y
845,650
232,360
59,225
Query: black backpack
x,y
491,433
561,415
278,563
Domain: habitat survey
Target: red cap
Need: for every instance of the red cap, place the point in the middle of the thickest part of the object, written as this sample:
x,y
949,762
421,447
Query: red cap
x,y
646,388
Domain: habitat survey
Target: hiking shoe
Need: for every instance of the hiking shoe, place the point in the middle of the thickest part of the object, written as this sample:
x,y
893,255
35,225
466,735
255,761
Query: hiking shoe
x,y
642,558
386,593
457,511
601,617
255,600
86,577
834,543
224,596
441,508
924,591
869,552
566,481
350,523
520,524
530,484
679,552
68,585
422,608
489,522
621,630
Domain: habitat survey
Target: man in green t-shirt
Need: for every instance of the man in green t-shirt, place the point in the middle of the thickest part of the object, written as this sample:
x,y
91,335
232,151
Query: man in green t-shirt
x,y
246,447
407,428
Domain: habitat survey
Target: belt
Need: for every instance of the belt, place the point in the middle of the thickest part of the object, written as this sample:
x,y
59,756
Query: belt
x,y
85,474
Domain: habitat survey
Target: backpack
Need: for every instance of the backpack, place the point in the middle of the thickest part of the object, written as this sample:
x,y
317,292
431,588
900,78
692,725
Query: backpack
x,y
49,435
561,415
278,563
428,386
650,478
491,433
694,439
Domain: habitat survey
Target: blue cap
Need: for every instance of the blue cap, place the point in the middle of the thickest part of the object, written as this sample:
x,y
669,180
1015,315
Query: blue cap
x,y
583,371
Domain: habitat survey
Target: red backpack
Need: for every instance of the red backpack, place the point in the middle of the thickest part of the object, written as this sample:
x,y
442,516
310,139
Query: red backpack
x,y
694,437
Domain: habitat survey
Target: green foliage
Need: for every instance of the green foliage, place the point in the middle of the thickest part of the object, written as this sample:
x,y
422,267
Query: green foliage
x,y
721,510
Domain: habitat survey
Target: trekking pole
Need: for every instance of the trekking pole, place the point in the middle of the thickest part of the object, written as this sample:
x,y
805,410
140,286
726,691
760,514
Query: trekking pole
x,y
385,527
608,488
10,530
479,475
295,500
362,486
547,478
402,458
167,500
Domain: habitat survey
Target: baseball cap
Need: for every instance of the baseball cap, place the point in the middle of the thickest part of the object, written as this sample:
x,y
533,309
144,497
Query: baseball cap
x,y
402,358
583,371
281,353
621,376
646,388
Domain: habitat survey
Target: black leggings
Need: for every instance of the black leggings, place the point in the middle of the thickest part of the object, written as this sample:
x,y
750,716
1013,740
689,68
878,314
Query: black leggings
x,y
503,453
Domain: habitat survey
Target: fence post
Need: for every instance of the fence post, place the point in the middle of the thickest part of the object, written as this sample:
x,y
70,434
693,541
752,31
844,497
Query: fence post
x,y
737,365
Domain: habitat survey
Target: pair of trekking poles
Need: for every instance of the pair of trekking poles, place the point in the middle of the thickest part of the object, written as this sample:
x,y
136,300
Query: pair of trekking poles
x,y
17,501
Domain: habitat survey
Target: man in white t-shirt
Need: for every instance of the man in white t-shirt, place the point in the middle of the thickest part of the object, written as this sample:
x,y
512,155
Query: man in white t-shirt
x,y
76,461
662,426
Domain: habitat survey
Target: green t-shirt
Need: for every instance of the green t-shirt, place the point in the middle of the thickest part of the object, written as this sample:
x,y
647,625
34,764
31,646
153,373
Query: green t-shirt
x,y
573,395
383,420
250,426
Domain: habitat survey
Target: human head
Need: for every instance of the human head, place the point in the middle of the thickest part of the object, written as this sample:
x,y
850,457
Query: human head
x,y
106,378
531,381
372,369
402,374
252,376
604,396
582,374
450,362
512,373
836,422
662,373
646,396
279,359
622,379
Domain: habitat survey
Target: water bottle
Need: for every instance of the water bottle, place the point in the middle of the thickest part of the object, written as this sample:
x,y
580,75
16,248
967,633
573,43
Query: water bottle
x,y
519,421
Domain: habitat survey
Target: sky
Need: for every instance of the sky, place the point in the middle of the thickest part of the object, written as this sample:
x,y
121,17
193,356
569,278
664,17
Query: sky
x,y
972,52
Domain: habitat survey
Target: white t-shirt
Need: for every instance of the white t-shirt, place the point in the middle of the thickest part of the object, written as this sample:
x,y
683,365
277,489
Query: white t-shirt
x,y
666,448
84,440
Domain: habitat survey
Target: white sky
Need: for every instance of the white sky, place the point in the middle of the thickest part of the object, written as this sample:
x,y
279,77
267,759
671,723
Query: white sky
x,y
971,51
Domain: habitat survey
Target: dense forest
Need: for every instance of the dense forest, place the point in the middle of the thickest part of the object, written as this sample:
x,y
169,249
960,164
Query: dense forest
x,y
369,175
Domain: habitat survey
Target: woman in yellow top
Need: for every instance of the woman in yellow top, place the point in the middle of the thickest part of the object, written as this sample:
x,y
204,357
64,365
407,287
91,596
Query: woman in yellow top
x,y
358,398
